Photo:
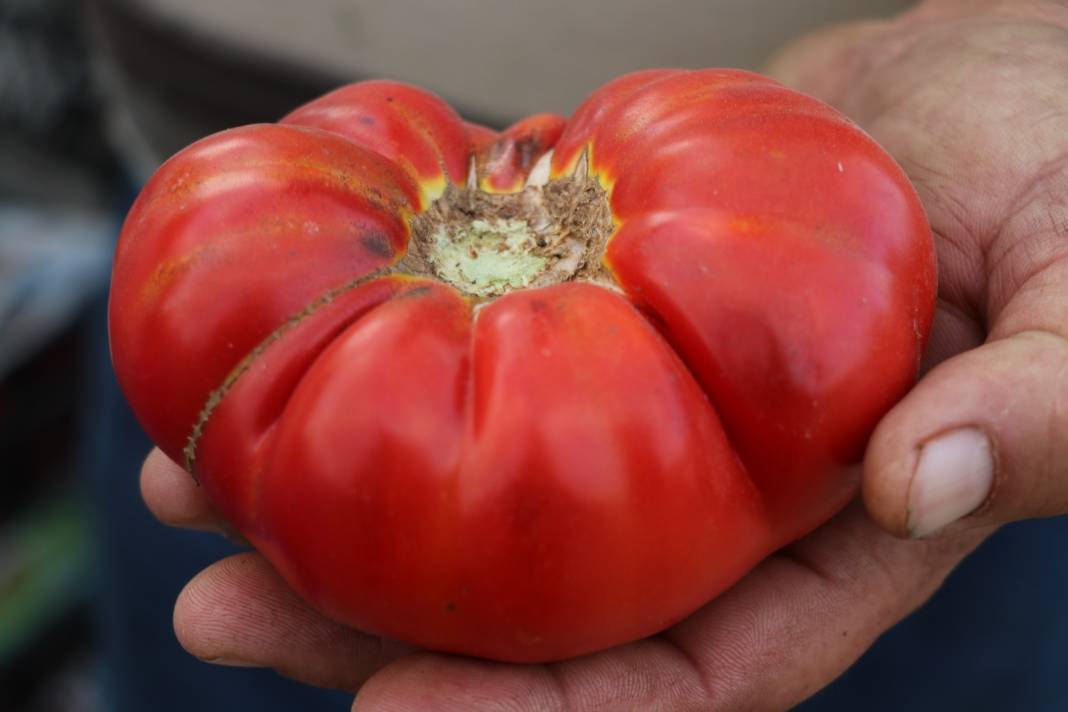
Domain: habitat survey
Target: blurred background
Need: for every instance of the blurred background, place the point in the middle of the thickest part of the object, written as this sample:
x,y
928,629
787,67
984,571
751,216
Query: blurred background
x,y
93,95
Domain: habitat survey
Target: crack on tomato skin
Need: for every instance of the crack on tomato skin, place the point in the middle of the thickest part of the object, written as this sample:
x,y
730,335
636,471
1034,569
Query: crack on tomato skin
x,y
571,208
215,398
378,244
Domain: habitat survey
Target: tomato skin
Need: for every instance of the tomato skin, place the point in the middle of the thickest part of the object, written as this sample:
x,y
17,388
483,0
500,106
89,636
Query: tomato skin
x,y
505,160
416,130
228,240
816,356
771,239
504,530
561,469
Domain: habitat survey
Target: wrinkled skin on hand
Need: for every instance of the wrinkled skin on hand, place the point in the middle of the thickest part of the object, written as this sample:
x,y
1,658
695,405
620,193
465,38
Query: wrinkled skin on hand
x,y
970,98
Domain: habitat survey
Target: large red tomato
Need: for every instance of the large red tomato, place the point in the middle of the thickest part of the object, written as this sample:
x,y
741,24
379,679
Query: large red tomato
x,y
527,394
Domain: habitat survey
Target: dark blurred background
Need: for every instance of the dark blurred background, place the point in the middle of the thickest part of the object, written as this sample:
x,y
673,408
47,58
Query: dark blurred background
x,y
84,599
57,220
93,95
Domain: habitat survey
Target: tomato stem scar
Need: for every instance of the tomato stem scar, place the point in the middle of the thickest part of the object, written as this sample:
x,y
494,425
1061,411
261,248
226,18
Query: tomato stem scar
x,y
487,244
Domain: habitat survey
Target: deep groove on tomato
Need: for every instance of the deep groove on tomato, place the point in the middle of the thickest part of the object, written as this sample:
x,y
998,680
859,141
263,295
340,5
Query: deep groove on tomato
x,y
217,395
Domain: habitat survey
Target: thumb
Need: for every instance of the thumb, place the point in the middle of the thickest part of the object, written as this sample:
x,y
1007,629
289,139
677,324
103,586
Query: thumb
x,y
984,436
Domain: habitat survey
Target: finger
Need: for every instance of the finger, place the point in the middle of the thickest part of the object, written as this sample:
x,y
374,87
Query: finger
x,y
174,497
984,434
240,612
815,608
786,630
649,676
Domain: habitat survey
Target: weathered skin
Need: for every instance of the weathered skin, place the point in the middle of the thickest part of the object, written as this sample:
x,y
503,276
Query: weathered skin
x,y
564,468
504,160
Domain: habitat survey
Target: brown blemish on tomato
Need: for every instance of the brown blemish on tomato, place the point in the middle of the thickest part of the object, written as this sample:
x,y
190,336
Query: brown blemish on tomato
x,y
165,275
377,244
527,150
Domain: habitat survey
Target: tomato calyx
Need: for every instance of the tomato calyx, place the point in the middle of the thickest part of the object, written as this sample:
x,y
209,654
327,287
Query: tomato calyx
x,y
486,244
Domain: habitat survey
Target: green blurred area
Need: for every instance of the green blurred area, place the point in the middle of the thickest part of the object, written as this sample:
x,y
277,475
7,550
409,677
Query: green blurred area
x,y
45,570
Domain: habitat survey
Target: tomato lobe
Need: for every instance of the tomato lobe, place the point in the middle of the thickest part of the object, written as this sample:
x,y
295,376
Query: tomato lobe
x,y
527,394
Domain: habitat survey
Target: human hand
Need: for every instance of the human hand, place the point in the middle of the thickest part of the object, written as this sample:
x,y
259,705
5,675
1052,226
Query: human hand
x,y
779,635
970,98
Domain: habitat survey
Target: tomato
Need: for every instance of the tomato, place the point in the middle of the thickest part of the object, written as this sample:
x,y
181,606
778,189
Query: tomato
x,y
528,394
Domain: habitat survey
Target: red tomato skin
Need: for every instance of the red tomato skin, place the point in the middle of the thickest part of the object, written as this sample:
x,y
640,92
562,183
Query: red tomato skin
x,y
251,408
413,128
230,239
784,254
561,469
503,161
504,529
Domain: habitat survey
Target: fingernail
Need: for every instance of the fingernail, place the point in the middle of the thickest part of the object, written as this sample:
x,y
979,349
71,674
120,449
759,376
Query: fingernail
x,y
953,476
228,662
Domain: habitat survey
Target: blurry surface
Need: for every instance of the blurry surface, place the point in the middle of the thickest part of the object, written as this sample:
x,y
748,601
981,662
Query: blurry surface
x,y
55,244
51,262
51,148
164,87
178,70
507,59
55,229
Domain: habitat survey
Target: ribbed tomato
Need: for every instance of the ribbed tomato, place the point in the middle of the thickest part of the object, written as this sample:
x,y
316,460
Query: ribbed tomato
x,y
527,394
